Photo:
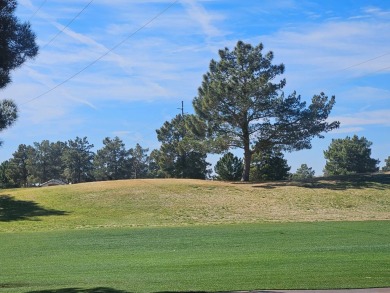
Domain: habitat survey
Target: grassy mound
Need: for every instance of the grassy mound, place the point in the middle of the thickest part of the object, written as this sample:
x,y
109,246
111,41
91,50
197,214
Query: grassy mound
x,y
173,202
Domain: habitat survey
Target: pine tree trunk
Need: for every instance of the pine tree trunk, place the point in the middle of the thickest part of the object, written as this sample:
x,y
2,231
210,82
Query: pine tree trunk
x,y
247,163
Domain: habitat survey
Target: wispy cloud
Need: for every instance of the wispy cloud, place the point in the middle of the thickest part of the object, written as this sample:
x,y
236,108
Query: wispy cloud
x,y
323,56
377,12
369,94
205,19
348,130
378,117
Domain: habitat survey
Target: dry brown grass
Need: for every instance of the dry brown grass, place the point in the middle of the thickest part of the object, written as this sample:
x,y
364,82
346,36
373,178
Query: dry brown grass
x,y
175,202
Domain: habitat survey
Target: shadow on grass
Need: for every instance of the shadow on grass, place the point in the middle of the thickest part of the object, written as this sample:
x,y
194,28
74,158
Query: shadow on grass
x,y
12,209
110,290
356,181
78,290
256,291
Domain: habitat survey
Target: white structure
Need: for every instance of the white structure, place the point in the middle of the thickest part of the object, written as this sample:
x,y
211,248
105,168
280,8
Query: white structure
x,y
53,182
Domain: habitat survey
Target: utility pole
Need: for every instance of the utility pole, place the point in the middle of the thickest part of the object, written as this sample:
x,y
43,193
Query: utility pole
x,y
182,109
183,155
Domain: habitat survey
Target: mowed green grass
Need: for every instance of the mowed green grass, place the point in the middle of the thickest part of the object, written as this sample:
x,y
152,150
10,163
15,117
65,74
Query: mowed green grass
x,y
199,258
191,235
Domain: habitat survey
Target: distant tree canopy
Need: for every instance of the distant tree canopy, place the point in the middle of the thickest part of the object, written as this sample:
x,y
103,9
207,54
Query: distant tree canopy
x,y
229,167
75,162
348,156
17,44
240,106
303,172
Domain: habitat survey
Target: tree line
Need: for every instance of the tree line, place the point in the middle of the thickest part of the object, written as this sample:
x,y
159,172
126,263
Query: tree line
x,y
74,161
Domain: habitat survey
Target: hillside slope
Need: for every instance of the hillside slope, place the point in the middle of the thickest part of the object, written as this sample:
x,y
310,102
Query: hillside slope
x,y
174,202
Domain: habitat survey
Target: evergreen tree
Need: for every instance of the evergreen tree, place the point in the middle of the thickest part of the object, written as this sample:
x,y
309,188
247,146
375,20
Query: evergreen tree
x,y
45,161
386,167
139,162
17,41
229,168
303,172
17,44
241,106
5,179
112,162
269,165
154,169
8,114
78,160
348,156
178,157
19,165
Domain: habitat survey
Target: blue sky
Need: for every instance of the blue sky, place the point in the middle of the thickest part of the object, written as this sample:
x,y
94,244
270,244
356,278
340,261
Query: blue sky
x,y
338,47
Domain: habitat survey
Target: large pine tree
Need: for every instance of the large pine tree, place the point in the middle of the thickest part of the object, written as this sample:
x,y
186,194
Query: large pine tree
x,y
242,106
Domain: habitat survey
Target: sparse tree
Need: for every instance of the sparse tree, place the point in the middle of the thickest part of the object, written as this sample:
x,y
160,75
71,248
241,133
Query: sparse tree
x,y
303,172
348,156
229,167
241,106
